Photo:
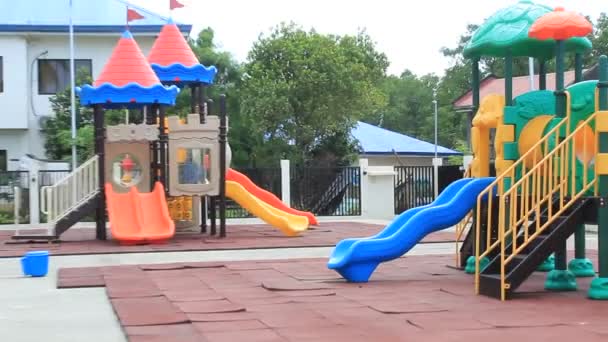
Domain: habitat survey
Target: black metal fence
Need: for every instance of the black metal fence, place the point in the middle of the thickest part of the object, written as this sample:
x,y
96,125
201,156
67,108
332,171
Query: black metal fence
x,y
9,180
267,178
327,191
413,187
414,184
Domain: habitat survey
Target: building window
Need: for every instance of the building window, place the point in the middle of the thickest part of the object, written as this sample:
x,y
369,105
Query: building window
x,y
1,74
3,160
54,74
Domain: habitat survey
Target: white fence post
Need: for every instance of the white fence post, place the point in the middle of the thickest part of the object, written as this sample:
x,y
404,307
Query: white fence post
x,y
363,164
285,182
34,193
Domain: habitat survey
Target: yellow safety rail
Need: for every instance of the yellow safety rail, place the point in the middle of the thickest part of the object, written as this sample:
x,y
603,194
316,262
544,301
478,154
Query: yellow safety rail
x,y
549,177
462,225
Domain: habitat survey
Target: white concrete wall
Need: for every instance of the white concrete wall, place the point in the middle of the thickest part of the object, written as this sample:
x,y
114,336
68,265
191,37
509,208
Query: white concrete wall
x,y
27,107
96,48
15,143
377,191
13,100
397,161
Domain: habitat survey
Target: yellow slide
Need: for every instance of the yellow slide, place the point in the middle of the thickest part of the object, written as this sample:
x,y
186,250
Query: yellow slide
x,y
290,225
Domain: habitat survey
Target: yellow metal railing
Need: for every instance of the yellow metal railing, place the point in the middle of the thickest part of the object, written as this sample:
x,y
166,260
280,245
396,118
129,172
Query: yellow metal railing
x,y
551,176
462,225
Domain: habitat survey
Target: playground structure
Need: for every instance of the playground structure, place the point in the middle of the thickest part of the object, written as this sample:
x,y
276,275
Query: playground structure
x,y
152,176
551,163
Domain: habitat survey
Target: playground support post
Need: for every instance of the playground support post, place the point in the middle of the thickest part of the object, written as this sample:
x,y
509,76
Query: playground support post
x,y
222,141
580,265
542,75
509,78
560,279
100,214
194,99
531,72
599,285
202,100
151,120
435,160
212,199
162,148
471,262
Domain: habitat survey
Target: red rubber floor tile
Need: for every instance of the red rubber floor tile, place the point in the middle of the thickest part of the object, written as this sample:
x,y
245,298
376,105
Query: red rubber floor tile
x,y
209,306
147,311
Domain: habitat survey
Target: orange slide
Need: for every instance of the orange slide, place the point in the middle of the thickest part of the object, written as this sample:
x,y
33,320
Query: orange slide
x,y
139,217
266,196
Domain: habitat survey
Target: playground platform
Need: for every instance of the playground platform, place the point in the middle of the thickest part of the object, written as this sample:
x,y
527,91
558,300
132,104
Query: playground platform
x,y
240,236
416,298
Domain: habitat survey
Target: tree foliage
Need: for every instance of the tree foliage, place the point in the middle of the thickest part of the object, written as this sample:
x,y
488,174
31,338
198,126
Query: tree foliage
x,y
57,129
303,92
600,36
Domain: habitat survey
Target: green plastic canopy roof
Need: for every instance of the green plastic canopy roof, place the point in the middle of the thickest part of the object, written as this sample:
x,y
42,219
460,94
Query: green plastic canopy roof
x,y
508,29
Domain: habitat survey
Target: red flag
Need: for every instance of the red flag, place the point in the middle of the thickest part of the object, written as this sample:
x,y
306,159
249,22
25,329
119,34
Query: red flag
x,y
133,15
173,4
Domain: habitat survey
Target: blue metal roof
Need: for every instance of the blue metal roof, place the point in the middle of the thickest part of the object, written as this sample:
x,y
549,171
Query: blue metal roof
x,y
89,16
379,141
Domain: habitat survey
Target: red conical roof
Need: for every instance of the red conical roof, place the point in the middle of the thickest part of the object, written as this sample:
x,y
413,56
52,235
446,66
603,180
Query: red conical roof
x,y
126,65
171,47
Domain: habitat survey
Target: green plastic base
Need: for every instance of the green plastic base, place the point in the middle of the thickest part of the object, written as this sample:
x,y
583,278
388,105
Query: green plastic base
x,y
582,268
560,280
547,265
599,289
470,267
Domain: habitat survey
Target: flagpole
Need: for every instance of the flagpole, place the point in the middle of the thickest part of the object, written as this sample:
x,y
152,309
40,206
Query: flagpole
x,y
73,92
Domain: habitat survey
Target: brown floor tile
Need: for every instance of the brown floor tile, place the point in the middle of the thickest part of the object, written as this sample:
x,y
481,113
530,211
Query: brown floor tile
x,y
252,324
185,283
412,299
78,282
261,335
444,321
209,306
388,306
292,285
163,267
79,272
147,311
222,317
192,295
131,287
293,318
164,333
183,338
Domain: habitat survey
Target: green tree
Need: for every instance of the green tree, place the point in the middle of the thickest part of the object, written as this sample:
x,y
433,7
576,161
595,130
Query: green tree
x,y
600,36
57,128
303,92
227,82
409,103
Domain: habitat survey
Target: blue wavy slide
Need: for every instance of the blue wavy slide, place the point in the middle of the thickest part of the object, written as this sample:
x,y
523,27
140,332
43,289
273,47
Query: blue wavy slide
x,y
356,259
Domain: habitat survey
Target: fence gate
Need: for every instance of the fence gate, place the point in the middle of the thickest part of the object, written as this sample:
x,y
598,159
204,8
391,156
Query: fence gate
x,y
326,191
414,184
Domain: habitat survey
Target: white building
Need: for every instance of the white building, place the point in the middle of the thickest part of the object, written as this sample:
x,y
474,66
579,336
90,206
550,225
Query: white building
x,y
34,60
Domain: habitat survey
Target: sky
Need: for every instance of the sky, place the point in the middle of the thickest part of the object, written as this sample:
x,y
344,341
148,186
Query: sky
x,y
410,33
